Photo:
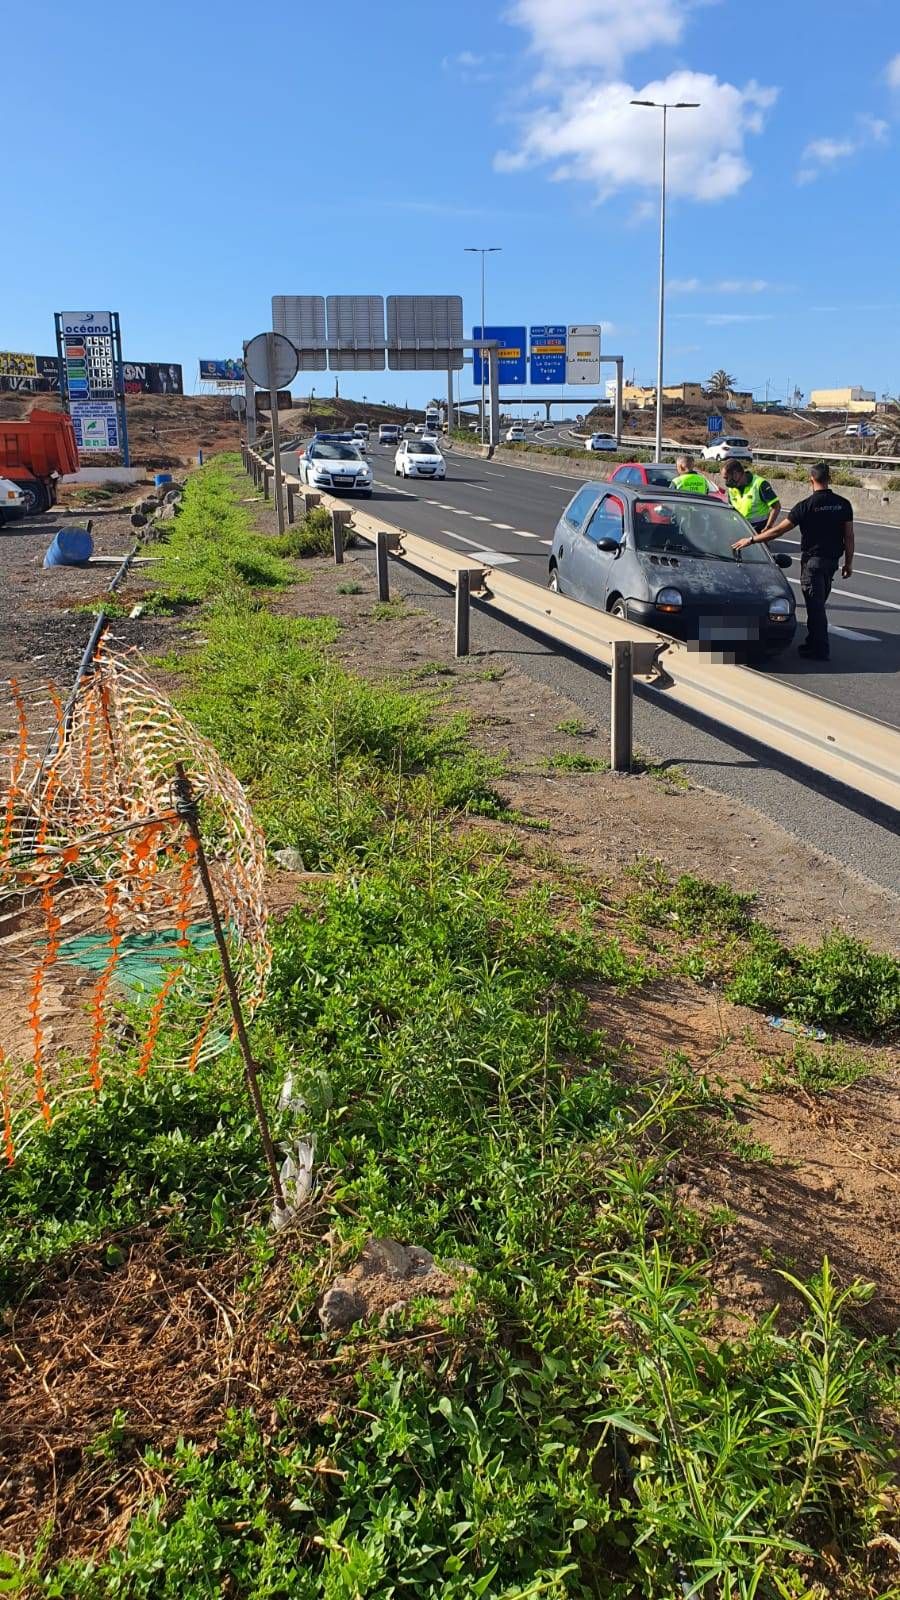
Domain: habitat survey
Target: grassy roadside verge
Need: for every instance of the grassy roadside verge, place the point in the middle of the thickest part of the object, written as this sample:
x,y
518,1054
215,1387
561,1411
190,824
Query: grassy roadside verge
x,y
569,1427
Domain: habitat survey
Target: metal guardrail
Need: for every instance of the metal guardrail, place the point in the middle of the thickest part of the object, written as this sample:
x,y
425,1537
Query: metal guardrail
x,y
854,750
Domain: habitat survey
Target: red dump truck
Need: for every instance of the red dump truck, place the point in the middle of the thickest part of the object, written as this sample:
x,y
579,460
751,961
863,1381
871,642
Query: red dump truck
x,y
35,452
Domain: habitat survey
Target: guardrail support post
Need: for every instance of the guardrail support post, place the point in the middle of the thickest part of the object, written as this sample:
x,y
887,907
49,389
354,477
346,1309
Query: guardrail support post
x,y
622,713
337,536
266,472
462,612
310,501
290,503
381,566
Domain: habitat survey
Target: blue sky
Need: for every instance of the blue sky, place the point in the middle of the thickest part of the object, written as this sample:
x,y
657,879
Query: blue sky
x,y
147,180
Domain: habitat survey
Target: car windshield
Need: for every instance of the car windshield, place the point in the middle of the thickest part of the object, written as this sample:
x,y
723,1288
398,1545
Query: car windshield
x,y
333,452
688,529
661,477
423,448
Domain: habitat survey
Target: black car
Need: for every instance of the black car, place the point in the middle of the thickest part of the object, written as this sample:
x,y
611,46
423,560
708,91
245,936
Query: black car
x,y
666,559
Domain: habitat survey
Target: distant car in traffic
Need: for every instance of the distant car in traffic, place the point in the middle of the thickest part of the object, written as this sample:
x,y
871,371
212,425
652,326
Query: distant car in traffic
x,y
859,430
732,448
601,441
658,474
388,433
335,464
515,434
12,500
665,559
419,458
409,430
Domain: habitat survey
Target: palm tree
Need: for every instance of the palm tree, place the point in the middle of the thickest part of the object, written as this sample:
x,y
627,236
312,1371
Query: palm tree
x,y
720,384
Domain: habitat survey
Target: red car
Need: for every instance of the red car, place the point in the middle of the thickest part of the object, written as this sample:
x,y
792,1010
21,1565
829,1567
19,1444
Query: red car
x,y
658,474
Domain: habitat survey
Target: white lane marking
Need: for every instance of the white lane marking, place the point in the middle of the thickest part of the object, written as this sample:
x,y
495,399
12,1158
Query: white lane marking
x,y
476,518
854,594
883,577
506,526
864,555
492,558
522,534
851,633
484,487
546,541
394,490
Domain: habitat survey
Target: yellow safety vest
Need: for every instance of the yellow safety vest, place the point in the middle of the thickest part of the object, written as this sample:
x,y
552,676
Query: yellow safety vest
x,y
691,483
749,501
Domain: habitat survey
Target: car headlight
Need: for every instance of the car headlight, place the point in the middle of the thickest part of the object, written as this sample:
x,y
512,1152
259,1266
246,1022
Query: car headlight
x,y
366,472
780,610
669,600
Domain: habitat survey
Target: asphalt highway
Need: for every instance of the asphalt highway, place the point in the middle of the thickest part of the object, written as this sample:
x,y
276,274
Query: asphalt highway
x,y
506,515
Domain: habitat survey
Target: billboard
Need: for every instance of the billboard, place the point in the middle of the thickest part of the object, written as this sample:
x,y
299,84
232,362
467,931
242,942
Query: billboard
x,y
138,377
355,332
425,332
221,371
152,377
548,353
301,318
96,425
13,364
511,355
81,324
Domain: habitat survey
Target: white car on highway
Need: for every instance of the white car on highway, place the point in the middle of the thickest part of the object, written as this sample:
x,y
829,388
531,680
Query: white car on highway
x,y
515,434
419,458
12,500
733,448
601,441
331,464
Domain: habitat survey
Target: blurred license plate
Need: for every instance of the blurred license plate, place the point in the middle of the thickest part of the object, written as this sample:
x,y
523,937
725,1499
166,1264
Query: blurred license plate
x,y
718,630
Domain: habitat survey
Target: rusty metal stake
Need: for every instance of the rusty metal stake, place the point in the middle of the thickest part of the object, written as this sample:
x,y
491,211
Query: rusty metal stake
x,y
186,809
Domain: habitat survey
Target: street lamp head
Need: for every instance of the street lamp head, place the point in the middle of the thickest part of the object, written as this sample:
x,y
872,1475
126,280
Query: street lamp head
x,y
668,105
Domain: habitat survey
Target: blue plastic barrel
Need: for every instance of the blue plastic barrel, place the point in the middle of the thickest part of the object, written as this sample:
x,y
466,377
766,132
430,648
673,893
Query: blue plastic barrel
x,y
161,478
71,548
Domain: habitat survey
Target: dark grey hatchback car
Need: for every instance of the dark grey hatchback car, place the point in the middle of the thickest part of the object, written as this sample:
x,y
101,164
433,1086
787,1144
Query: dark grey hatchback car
x,y
665,559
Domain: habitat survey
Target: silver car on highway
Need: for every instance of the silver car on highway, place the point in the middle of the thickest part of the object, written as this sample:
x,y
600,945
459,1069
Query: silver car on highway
x,y
665,559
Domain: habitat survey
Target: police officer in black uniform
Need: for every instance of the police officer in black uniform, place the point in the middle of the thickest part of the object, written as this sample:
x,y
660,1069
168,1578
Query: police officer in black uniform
x,y
825,520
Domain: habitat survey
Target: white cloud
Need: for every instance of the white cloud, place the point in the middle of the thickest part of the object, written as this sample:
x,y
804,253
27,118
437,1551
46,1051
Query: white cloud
x,y
471,68
722,286
823,155
722,319
595,135
892,71
598,33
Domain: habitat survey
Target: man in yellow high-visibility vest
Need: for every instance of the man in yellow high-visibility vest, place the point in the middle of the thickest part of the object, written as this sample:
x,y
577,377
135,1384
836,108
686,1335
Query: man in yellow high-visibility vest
x,y
687,479
751,495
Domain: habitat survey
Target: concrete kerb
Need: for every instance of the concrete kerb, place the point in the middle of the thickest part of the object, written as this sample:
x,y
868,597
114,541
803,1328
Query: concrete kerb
x,y
871,503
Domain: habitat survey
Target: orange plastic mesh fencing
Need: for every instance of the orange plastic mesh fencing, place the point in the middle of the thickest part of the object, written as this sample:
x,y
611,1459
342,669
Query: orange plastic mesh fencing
x,y
107,957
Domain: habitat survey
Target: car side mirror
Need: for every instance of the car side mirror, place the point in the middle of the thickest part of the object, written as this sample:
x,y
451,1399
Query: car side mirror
x,y
783,560
608,545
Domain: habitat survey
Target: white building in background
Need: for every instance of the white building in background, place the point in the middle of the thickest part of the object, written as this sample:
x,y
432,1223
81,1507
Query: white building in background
x,y
850,399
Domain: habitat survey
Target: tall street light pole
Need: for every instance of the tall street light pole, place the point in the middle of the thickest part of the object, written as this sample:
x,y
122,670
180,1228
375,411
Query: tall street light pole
x,y
665,106
482,251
